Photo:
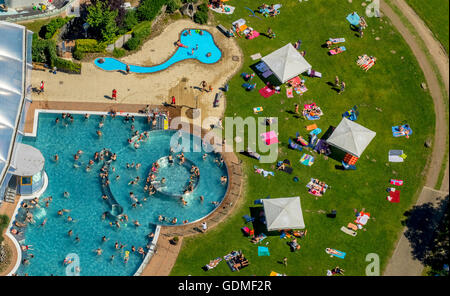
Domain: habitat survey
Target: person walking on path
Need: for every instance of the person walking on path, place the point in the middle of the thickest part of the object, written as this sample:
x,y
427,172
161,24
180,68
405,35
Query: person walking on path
x,y
173,100
41,87
342,88
336,81
285,261
204,227
203,84
296,108
127,68
114,94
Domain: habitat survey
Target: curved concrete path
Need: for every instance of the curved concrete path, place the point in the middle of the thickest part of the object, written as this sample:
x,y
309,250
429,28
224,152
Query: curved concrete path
x,y
402,262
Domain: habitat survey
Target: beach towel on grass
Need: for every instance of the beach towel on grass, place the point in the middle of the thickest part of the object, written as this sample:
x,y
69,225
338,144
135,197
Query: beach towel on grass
x,y
353,18
263,251
289,92
257,109
253,35
263,172
269,137
213,263
397,133
266,91
315,131
335,52
394,196
335,253
300,89
307,160
395,156
311,127
262,67
315,117
273,273
348,231
337,40
396,182
256,56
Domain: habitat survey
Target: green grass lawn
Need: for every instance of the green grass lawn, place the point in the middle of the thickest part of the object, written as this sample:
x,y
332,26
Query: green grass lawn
x,y
393,85
435,14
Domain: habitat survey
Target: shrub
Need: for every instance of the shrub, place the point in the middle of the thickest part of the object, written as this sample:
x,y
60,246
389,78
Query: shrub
x,y
202,7
78,54
4,220
89,45
149,9
201,17
67,66
173,5
119,52
38,49
133,43
130,20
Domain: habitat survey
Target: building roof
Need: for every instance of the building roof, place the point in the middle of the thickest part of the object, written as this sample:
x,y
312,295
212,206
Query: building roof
x,y
286,62
15,59
351,137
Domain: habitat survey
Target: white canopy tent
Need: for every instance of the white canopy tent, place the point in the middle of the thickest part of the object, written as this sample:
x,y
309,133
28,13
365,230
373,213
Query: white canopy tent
x,y
283,213
286,62
351,137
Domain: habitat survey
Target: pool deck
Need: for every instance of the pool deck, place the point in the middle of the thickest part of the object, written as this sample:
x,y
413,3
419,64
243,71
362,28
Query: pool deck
x,y
166,254
181,80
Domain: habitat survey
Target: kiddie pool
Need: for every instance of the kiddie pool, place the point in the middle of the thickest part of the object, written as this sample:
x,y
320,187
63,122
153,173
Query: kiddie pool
x,y
201,41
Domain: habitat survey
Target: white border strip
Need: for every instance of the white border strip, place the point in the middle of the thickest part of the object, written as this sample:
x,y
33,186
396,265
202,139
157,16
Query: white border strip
x,y
38,111
150,253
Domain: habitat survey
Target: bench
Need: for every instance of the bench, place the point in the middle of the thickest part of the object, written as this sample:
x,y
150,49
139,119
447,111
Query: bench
x,y
223,30
217,99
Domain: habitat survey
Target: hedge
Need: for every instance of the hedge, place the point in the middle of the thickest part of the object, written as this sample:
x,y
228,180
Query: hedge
x,y
4,220
49,30
44,51
89,45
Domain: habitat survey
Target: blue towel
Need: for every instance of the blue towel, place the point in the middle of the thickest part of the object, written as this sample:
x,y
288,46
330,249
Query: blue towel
x,y
353,19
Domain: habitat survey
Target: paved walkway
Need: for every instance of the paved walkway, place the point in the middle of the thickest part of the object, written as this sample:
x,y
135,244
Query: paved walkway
x,y
402,262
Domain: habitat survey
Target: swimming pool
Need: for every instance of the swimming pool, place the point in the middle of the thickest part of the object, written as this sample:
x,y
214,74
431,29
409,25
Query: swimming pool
x,y
200,47
51,243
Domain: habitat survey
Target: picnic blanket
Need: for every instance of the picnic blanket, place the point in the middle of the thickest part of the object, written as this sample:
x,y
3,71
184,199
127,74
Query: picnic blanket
x,y
362,218
307,160
337,51
407,131
294,81
396,156
262,67
227,9
230,259
396,182
313,190
394,196
263,172
266,91
311,127
314,73
273,273
366,62
300,89
310,117
335,253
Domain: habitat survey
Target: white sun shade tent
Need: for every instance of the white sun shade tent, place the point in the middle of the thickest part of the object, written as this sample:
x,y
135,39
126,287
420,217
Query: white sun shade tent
x,y
286,62
351,137
283,213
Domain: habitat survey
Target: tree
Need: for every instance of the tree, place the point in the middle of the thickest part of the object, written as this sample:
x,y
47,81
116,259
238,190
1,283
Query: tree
x,y
102,21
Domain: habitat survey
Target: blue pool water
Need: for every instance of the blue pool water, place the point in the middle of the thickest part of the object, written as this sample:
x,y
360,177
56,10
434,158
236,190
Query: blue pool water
x,y
51,243
204,43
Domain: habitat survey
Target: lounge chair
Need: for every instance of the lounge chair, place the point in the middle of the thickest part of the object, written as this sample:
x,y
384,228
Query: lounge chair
x,y
248,218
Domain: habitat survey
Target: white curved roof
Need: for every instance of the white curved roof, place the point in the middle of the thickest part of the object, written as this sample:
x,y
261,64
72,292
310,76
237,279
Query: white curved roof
x,y
15,54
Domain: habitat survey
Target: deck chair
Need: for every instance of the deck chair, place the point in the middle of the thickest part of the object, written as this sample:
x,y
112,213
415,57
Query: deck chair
x,y
248,218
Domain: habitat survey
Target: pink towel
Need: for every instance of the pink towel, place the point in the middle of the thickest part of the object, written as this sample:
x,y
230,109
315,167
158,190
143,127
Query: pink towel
x,y
253,35
266,91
